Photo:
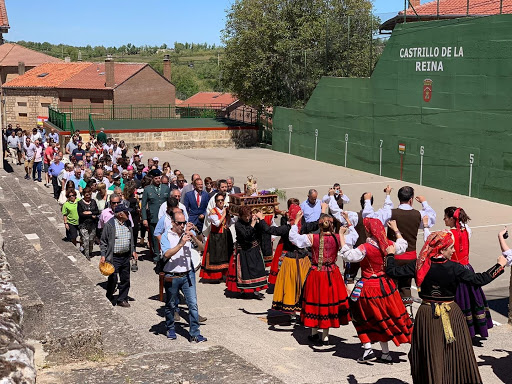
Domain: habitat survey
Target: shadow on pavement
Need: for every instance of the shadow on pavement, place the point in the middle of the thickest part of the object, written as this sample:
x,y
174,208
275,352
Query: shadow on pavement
x,y
351,379
499,305
500,365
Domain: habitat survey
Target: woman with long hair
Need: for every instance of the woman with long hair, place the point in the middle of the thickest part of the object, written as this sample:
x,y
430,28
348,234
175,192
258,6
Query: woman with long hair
x,y
441,348
471,299
325,303
292,265
101,196
219,245
377,310
246,273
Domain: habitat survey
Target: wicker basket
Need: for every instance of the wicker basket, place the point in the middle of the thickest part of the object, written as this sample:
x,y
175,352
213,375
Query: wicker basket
x,y
264,203
106,268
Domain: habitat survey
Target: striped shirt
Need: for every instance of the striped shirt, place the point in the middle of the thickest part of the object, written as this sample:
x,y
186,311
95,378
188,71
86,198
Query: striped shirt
x,y
123,238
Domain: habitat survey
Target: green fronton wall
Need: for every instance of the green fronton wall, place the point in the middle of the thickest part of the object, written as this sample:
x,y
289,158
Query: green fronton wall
x,y
469,112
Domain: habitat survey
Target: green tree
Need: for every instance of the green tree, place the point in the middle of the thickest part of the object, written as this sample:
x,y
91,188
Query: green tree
x,y
276,51
185,81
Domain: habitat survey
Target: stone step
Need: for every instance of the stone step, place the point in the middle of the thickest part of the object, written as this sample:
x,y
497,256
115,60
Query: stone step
x,y
85,322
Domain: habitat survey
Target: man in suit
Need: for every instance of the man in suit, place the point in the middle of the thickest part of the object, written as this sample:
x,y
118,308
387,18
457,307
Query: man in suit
x,y
189,187
231,186
152,198
196,202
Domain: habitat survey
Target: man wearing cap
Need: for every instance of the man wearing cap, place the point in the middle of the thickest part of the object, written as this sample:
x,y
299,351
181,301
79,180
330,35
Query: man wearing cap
x,y
154,195
117,247
155,163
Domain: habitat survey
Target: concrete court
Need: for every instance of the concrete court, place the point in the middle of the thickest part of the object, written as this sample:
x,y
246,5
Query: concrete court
x,y
239,324
284,352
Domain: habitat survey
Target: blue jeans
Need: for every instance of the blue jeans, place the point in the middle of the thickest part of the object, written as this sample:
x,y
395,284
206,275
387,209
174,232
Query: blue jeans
x,y
37,168
187,285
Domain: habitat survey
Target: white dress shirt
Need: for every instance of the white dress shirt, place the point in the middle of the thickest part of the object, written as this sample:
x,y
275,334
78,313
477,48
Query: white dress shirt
x,y
355,255
163,208
181,261
384,214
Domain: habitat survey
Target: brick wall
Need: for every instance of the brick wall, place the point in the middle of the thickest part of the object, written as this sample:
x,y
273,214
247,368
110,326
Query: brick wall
x,y
146,87
24,105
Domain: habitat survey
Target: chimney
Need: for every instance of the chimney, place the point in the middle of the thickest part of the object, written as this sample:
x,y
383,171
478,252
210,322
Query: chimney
x,y
67,59
167,67
414,4
21,68
109,72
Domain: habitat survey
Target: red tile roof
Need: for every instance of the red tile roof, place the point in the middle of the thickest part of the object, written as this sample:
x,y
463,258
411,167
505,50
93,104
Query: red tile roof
x,y
4,21
93,77
11,54
73,75
459,7
210,98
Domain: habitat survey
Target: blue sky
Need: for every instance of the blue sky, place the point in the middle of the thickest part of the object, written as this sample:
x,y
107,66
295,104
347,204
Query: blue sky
x,y
118,22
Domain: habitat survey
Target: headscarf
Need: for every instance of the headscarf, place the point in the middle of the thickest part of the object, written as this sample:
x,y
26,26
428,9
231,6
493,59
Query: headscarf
x,y
292,215
435,243
375,229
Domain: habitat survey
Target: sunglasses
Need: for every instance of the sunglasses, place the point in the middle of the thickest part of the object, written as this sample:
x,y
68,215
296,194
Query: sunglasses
x,y
220,199
180,222
114,202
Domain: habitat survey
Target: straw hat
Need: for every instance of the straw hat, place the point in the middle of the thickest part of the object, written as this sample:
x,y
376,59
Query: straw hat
x,y
106,269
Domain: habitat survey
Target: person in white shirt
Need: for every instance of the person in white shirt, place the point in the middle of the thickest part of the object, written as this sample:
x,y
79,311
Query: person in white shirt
x,y
338,195
180,275
36,135
223,187
163,208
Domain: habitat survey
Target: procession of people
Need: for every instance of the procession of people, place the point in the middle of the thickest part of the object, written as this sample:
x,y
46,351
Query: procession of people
x,y
325,266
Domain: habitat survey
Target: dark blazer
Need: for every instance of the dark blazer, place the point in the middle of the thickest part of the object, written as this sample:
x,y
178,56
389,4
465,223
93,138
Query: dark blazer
x,y
236,190
151,202
193,210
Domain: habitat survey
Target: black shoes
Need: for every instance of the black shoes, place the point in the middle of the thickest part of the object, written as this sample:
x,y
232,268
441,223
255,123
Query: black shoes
x,y
123,304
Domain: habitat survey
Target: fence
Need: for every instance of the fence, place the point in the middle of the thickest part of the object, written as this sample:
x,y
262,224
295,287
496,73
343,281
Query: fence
x,y
453,125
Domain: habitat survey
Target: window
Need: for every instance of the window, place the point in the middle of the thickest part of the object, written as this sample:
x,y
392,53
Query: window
x,y
66,99
22,115
22,103
45,105
96,101
43,74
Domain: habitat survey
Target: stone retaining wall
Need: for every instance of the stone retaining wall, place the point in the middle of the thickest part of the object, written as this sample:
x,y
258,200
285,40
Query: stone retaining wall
x,y
184,139
16,356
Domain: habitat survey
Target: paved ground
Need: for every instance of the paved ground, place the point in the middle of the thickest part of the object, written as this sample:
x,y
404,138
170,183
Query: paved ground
x,y
240,325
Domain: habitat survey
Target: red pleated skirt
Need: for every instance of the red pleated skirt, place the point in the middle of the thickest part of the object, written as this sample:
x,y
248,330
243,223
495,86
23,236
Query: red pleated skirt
x,y
379,314
325,303
274,267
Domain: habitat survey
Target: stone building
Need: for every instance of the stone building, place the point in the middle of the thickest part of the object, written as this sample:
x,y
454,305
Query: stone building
x,y
93,85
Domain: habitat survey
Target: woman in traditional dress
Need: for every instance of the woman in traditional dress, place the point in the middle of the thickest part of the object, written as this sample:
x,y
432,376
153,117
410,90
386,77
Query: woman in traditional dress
x,y
377,310
324,304
441,350
470,299
246,272
219,245
294,267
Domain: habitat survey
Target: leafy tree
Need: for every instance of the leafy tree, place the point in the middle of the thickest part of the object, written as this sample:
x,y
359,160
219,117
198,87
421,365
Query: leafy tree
x,y
185,82
276,51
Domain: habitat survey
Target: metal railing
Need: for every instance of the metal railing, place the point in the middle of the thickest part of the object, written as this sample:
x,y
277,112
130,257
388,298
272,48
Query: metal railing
x,y
142,112
61,119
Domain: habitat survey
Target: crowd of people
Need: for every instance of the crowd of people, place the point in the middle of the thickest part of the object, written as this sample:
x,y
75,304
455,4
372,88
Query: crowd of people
x,y
122,201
